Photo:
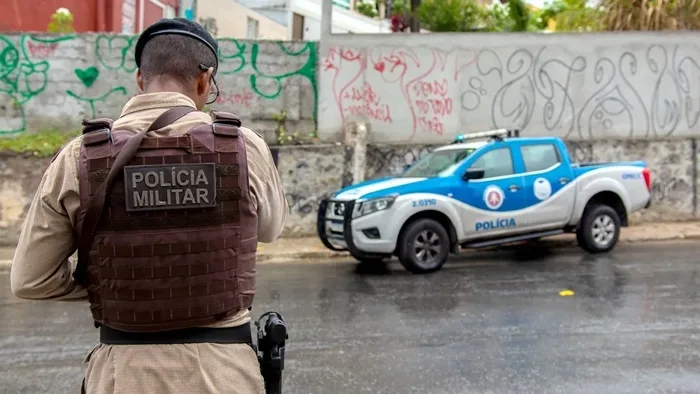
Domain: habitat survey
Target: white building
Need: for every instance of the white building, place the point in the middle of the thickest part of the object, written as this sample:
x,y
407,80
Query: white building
x,y
228,18
302,18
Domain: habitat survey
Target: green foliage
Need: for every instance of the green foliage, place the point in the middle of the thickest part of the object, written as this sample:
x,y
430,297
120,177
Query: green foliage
x,y
519,15
44,143
367,9
295,138
61,22
514,16
397,7
470,15
571,16
497,19
452,15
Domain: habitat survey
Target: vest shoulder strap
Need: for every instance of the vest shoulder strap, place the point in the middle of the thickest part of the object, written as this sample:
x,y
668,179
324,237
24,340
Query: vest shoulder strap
x,y
227,118
97,131
225,124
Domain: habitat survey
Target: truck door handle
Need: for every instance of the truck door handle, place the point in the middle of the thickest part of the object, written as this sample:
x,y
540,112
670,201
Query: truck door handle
x,y
514,188
563,180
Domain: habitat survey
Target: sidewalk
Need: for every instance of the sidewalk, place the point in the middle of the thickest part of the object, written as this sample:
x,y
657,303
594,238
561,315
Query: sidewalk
x,y
311,248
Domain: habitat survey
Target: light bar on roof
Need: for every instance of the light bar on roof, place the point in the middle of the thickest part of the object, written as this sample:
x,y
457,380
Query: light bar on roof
x,y
485,134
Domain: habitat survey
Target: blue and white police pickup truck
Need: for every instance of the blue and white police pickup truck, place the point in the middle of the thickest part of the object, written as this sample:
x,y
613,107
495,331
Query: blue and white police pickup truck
x,y
475,194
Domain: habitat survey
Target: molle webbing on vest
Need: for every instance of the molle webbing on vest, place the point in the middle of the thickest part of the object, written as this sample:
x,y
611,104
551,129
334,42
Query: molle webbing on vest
x,y
157,265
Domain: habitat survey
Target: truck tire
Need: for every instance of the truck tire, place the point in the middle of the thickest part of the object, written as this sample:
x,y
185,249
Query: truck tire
x,y
599,229
424,246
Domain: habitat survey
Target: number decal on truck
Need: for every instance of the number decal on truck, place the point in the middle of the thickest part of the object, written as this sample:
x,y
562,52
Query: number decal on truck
x,y
424,203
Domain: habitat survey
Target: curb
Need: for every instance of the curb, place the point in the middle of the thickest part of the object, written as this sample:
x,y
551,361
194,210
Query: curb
x,y
330,254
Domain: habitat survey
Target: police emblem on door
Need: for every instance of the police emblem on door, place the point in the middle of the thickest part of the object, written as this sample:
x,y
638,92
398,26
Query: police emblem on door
x,y
493,197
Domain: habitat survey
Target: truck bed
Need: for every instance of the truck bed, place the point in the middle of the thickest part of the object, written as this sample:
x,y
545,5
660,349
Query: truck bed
x,y
599,164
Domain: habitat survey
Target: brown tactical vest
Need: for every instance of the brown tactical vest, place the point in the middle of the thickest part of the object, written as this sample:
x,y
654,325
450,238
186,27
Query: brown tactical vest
x,y
175,244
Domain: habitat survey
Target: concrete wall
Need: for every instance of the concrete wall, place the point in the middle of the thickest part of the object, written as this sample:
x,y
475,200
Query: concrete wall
x,y
310,173
577,86
55,81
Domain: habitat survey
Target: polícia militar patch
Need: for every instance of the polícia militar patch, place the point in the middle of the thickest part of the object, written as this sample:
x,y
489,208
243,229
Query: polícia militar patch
x,y
170,186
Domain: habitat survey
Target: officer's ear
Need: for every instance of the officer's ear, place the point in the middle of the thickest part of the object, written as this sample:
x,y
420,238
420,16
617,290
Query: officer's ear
x,y
139,79
204,82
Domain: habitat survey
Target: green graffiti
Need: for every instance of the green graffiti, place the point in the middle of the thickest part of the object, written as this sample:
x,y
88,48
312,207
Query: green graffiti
x,y
116,52
29,63
93,101
308,70
22,79
88,75
227,60
235,62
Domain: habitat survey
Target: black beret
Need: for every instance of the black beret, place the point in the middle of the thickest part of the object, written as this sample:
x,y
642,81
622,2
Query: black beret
x,y
179,26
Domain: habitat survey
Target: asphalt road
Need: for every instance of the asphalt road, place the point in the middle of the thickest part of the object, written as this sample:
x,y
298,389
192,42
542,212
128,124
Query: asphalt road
x,y
488,323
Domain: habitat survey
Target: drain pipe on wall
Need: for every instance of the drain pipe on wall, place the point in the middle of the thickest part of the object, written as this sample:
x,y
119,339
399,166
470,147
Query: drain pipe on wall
x,y
355,136
359,159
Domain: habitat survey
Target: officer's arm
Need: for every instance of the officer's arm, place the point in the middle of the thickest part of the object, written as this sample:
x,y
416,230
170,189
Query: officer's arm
x,y
41,269
266,187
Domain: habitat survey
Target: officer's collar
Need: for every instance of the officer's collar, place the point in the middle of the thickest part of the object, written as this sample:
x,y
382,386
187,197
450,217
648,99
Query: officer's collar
x,y
146,101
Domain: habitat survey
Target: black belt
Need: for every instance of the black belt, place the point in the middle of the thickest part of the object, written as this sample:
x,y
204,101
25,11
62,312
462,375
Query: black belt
x,y
240,334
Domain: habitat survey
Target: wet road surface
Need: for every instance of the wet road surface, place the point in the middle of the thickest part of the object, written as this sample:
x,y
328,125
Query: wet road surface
x,y
487,323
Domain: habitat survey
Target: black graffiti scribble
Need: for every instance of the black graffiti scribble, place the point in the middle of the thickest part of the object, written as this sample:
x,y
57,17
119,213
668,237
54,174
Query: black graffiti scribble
x,y
391,160
304,204
647,91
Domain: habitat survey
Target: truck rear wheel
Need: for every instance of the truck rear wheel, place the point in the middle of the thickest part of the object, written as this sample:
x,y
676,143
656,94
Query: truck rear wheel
x,y
599,229
424,246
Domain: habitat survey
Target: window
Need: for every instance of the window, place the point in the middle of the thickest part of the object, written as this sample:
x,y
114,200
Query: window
x,y
297,27
437,162
252,33
342,3
497,162
539,157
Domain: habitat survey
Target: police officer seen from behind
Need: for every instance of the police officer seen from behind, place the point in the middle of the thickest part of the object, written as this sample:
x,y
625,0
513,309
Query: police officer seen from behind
x,y
165,207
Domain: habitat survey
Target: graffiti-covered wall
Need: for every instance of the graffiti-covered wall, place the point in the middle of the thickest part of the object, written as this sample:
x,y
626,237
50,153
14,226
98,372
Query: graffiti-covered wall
x,y
55,81
577,86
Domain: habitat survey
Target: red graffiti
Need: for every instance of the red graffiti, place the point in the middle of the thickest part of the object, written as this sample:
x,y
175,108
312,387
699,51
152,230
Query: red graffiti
x,y
244,98
433,125
41,50
380,83
426,89
365,101
432,105
379,67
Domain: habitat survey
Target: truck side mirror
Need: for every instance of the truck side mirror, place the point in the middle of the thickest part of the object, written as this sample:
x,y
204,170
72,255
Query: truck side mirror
x,y
473,173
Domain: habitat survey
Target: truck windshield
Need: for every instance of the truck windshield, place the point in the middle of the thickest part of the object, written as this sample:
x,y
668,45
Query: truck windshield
x,y
436,163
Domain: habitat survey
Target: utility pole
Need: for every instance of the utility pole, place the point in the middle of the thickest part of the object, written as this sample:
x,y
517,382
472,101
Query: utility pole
x,y
326,26
415,26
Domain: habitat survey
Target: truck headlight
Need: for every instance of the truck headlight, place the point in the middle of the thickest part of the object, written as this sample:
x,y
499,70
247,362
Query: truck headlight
x,y
376,204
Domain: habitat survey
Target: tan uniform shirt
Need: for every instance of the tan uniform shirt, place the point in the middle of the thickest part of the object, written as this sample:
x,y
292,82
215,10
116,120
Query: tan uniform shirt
x,y
41,268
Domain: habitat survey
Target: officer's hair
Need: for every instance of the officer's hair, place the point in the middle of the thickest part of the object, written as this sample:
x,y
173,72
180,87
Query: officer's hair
x,y
175,56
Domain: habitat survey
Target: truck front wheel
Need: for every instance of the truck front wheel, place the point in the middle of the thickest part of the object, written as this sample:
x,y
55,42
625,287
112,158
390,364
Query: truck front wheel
x,y
599,229
424,246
